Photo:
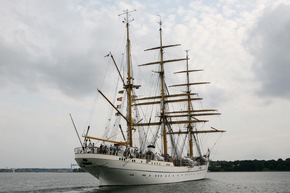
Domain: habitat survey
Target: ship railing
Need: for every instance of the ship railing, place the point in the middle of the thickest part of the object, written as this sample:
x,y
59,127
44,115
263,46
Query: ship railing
x,y
80,150
96,150
107,151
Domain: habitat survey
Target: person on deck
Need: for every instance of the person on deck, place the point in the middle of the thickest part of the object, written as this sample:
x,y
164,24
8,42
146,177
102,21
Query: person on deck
x,y
90,146
114,149
111,149
105,150
85,144
101,148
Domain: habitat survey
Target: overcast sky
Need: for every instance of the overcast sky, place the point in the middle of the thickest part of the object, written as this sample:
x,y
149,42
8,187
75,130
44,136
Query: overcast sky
x,y
52,63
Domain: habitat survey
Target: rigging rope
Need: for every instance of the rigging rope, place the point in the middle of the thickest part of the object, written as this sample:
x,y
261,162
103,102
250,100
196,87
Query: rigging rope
x,y
93,108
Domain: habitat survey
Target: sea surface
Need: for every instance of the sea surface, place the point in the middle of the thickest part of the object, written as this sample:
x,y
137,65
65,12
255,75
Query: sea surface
x,y
245,182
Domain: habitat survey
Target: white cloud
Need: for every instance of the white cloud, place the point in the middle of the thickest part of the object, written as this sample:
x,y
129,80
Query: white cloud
x,y
52,61
269,43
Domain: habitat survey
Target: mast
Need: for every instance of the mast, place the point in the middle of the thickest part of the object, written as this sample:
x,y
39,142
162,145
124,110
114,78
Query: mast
x,y
188,107
129,86
163,95
163,118
190,113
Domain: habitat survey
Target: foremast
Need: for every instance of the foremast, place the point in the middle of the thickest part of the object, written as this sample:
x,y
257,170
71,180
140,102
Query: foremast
x,y
129,85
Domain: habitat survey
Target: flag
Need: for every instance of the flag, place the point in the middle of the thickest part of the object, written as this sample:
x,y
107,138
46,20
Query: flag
x,y
119,99
121,92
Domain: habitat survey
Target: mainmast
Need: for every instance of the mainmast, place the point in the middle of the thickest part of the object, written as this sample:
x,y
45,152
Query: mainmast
x,y
161,73
163,96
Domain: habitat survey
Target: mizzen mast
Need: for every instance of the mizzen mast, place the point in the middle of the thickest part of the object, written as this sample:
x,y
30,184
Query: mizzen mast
x,y
189,109
191,113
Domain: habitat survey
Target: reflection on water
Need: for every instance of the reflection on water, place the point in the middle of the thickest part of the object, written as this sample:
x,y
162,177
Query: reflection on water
x,y
84,183
185,187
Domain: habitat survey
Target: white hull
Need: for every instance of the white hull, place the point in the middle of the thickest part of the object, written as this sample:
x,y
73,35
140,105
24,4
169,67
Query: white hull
x,y
116,170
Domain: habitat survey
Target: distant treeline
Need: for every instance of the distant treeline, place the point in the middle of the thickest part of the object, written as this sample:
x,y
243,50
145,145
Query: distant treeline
x,y
58,170
250,165
78,170
215,166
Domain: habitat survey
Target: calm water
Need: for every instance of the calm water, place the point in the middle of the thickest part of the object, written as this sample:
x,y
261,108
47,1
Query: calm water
x,y
247,182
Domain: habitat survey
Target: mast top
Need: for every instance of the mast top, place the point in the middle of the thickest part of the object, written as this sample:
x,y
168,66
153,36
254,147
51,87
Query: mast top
x,y
126,12
160,21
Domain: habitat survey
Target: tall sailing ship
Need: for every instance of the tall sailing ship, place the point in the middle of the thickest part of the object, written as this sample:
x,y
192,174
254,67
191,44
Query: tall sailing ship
x,y
161,146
